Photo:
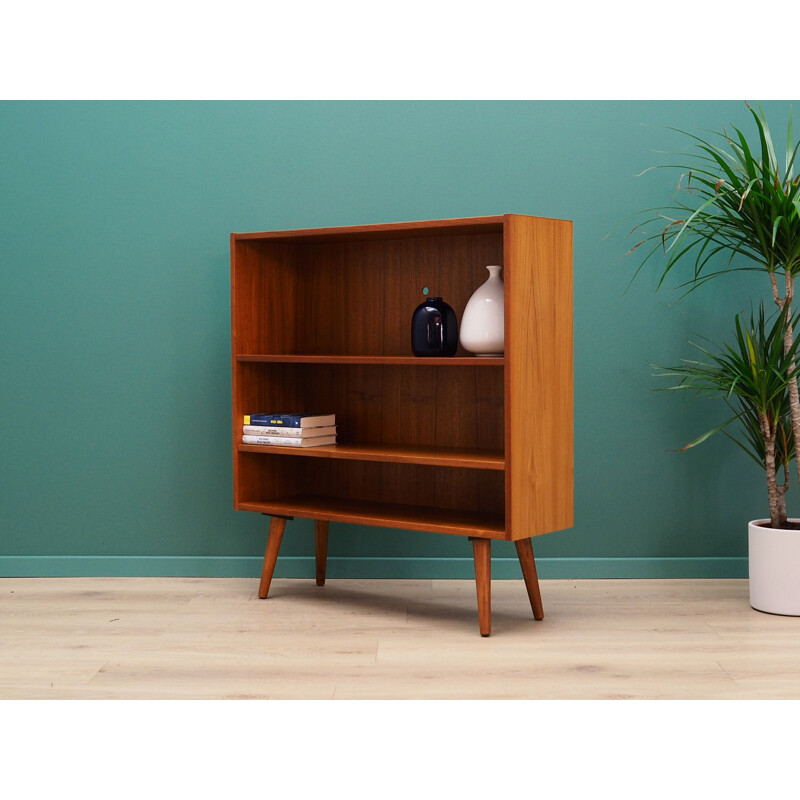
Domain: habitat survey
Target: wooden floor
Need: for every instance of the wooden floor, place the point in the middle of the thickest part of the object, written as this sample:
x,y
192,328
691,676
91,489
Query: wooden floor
x,y
119,638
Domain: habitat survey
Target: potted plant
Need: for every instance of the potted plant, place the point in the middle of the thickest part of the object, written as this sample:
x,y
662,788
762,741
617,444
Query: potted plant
x,y
736,200
752,376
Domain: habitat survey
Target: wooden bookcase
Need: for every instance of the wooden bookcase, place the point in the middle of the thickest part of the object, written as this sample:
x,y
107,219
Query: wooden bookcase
x,y
471,446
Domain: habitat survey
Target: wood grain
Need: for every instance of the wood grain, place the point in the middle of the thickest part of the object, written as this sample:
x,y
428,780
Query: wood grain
x,y
389,515
482,553
321,320
320,550
276,528
538,376
412,361
529,575
358,296
403,405
419,421
211,638
393,453
466,446
392,230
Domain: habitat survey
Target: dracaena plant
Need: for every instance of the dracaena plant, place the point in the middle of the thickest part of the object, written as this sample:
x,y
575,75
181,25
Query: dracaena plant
x,y
752,375
737,208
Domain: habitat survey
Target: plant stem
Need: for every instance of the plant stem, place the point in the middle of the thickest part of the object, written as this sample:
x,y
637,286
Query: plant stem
x,y
785,305
777,498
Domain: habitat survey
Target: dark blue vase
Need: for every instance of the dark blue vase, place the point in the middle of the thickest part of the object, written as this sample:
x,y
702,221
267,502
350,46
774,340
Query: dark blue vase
x,y
434,329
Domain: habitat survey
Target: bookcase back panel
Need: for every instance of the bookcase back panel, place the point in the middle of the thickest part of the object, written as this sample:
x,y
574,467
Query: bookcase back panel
x,y
406,484
268,477
262,477
439,406
264,288
351,297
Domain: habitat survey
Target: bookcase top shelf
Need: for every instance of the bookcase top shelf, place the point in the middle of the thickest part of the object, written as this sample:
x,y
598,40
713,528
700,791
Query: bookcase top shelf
x,y
452,361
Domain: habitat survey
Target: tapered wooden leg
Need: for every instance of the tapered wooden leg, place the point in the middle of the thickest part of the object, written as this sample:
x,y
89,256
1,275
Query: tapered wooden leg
x,y
482,553
526,561
321,542
276,527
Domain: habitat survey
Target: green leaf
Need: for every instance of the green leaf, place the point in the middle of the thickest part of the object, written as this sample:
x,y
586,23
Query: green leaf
x,y
751,374
707,435
775,228
767,148
735,203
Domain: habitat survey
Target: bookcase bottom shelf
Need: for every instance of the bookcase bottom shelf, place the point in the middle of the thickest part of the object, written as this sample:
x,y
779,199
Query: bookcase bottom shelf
x,y
387,515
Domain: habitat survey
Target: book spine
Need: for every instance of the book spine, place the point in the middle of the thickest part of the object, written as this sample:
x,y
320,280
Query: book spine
x,y
268,420
286,441
261,430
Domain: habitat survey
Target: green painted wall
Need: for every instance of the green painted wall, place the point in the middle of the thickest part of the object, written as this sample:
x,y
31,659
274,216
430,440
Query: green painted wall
x,y
114,305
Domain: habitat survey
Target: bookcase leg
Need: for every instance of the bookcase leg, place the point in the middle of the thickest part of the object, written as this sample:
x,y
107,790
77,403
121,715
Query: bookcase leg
x,y
276,526
321,547
528,564
482,553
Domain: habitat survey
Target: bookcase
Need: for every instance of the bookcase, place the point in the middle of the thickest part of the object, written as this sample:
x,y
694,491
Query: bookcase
x,y
469,446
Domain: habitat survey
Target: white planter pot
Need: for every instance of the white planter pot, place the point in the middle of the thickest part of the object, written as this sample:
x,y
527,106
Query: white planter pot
x,y
774,563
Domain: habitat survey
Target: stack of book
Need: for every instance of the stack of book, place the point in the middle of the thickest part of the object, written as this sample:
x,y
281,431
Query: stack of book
x,y
289,430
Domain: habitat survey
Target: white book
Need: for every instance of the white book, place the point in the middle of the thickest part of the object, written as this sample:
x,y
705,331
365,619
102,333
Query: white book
x,y
289,441
297,433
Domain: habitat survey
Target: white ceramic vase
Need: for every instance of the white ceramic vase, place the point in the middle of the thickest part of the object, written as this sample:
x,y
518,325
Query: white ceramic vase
x,y
774,564
482,326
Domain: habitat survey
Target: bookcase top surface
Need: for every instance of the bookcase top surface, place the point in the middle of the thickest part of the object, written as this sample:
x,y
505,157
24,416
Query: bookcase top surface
x,y
390,230
466,225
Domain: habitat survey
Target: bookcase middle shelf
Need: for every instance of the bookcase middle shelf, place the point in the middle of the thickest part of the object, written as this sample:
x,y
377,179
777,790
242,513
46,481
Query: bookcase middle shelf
x,y
469,458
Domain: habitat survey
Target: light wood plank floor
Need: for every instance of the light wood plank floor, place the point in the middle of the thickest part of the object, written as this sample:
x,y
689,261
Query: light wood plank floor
x,y
143,638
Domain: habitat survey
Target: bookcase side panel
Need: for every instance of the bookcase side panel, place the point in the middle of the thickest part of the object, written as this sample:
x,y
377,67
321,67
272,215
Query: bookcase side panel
x,y
538,376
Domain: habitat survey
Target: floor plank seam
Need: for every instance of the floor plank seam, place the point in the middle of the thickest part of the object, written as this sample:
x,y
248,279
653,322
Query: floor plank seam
x,y
728,674
714,630
100,670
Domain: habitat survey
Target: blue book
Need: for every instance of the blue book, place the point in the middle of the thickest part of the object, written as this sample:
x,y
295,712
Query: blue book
x,y
291,420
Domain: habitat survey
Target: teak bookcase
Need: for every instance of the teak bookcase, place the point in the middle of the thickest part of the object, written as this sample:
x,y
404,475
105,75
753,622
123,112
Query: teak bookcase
x,y
466,445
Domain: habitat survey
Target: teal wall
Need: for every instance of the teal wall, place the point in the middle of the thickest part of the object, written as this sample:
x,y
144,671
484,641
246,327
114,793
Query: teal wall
x,y
114,305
